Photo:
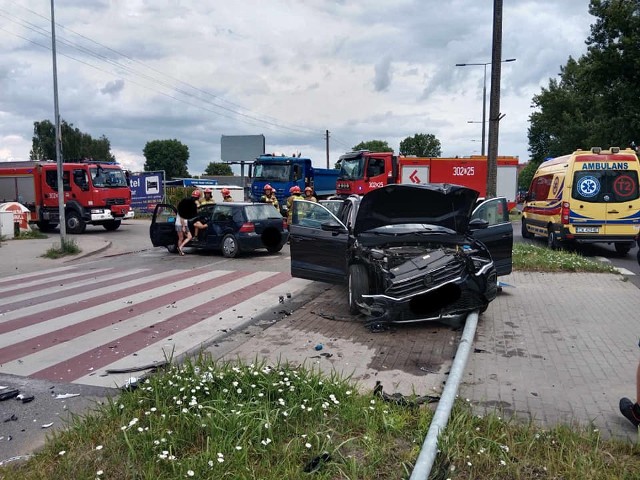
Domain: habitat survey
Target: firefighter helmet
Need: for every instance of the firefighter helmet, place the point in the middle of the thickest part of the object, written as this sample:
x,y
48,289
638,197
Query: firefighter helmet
x,y
225,191
208,190
195,193
268,187
308,189
296,189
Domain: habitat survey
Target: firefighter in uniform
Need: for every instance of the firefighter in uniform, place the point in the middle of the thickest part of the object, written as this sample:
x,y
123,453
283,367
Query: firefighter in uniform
x,y
226,195
295,195
308,195
270,197
208,198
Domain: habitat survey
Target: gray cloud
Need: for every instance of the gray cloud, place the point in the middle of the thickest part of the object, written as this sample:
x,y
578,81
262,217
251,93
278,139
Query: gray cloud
x,y
113,88
382,77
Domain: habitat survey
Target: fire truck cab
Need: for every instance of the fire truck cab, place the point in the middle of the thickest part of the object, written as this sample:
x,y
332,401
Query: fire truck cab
x,y
95,193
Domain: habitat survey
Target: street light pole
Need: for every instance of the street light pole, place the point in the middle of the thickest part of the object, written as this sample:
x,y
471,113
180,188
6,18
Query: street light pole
x,y
484,96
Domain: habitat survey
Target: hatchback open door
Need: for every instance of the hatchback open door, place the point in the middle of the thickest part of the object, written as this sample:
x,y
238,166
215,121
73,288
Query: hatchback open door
x,y
163,226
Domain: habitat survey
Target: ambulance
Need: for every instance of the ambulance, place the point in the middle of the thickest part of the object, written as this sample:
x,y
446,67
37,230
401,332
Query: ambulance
x,y
589,196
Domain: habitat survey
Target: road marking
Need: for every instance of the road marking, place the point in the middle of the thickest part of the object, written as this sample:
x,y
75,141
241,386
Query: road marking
x,y
74,337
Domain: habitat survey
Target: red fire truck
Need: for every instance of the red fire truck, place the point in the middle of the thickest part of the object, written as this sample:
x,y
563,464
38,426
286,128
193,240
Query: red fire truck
x,y
95,193
363,171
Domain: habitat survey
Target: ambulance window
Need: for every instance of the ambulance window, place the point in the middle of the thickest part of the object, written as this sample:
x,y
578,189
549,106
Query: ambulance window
x,y
599,186
540,187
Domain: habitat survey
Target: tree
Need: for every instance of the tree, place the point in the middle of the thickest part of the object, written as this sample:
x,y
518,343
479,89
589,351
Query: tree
x,y
594,102
75,144
169,155
421,145
373,146
218,169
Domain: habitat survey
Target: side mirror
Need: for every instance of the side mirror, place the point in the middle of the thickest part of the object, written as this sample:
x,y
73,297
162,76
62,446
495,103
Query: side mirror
x,y
478,224
332,227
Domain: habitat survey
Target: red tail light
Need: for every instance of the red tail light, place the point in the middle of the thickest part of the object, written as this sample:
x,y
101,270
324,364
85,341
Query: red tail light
x,y
284,224
564,213
247,227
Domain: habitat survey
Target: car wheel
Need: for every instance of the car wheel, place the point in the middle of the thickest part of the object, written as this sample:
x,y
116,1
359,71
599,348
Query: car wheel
x,y
358,286
274,249
172,248
552,239
525,233
622,248
74,223
111,225
230,246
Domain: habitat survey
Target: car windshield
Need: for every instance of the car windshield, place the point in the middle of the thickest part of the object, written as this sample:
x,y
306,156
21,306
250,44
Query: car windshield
x,y
332,205
351,168
261,212
271,172
108,177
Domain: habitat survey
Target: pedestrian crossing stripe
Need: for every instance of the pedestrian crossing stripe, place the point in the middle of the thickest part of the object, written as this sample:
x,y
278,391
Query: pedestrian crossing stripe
x,y
133,317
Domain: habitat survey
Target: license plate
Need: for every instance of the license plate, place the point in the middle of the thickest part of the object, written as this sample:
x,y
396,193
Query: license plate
x,y
587,229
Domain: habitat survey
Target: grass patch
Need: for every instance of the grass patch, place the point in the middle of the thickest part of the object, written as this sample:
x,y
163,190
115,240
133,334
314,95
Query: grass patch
x,y
540,259
30,235
247,421
68,247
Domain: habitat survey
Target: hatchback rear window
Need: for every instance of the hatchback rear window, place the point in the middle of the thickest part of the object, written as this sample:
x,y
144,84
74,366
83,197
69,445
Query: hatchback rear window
x,y
261,212
605,186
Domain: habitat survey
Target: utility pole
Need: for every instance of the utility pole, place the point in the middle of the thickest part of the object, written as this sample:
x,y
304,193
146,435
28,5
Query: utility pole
x,y
327,146
62,224
494,103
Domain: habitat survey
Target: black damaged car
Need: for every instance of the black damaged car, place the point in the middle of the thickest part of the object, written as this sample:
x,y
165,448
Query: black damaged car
x,y
407,252
232,228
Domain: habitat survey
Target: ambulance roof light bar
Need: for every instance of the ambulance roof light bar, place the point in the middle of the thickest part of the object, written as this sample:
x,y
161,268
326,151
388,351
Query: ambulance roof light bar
x,y
596,150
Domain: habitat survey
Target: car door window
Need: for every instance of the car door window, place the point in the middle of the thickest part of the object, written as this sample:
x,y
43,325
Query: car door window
x,y
312,215
494,211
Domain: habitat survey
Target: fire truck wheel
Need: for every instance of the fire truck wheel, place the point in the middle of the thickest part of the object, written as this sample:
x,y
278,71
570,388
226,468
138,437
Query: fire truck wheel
x,y
111,225
75,224
46,226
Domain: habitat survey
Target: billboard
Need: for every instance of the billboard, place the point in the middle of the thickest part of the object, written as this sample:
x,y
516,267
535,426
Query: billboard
x,y
147,189
241,148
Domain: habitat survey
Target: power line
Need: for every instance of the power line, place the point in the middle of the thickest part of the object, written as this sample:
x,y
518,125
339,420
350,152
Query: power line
x,y
254,120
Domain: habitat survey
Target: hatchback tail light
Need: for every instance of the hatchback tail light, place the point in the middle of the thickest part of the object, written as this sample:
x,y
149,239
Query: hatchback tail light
x,y
247,227
564,213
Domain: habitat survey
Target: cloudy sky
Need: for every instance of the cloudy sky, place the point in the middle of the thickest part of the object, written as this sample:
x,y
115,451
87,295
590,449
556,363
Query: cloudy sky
x,y
142,70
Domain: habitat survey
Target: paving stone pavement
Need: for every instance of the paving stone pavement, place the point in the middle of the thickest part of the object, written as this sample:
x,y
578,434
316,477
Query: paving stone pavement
x,y
552,348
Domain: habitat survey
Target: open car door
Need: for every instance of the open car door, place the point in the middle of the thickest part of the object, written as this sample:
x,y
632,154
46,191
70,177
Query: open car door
x,y
318,243
163,226
498,235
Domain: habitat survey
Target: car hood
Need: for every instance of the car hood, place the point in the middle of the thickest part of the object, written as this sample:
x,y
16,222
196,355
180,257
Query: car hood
x,y
441,204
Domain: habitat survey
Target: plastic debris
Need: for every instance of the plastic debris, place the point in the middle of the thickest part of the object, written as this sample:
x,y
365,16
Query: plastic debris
x,y
9,394
66,395
319,346
131,384
47,425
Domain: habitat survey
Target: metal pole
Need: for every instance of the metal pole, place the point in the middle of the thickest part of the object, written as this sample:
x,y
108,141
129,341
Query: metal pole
x,y
484,108
327,143
62,224
494,106
427,455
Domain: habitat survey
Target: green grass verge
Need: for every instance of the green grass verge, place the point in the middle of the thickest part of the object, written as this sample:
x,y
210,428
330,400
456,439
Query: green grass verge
x,y
30,235
211,420
541,259
68,247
